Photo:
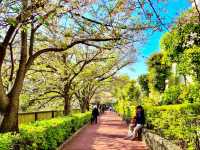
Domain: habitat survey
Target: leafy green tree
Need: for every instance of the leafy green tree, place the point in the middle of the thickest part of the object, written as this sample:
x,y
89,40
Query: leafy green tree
x,y
85,93
183,36
143,81
96,77
171,95
180,38
80,70
133,93
30,29
191,93
37,27
158,72
190,63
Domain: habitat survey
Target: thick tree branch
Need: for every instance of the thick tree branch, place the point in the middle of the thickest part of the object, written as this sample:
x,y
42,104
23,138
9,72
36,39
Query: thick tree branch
x,y
76,42
197,8
157,16
18,84
113,73
49,100
92,20
32,39
12,63
136,28
5,43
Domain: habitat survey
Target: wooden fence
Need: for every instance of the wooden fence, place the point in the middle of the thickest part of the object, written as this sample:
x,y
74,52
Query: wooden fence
x,y
41,115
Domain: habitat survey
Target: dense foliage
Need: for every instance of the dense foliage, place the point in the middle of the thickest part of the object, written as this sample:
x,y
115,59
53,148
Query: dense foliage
x,y
183,35
181,45
46,45
133,93
143,81
173,73
171,95
191,93
124,108
190,62
171,88
179,123
178,94
158,72
44,135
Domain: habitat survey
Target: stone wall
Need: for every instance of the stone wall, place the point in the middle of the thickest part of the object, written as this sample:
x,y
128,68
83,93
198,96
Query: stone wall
x,y
156,142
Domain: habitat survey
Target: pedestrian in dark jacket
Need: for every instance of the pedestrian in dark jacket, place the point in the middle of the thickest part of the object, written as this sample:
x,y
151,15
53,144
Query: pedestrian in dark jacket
x,y
95,114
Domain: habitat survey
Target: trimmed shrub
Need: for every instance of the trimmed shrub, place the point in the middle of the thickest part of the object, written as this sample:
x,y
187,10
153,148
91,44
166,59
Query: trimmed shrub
x,y
179,123
6,141
44,135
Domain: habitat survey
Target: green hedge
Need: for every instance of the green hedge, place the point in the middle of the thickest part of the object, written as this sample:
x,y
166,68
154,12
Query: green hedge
x,y
178,94
179,123
44,135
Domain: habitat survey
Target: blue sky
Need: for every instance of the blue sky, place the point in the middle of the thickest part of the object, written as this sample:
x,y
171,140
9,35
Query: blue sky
x,y
174,8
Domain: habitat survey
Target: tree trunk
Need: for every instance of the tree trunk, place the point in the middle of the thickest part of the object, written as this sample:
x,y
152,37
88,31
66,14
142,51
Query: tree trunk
x,y
10,120
4,101
67,104
1,117
87,106
3,97
185,80
83,106
83,109
197,74
67,99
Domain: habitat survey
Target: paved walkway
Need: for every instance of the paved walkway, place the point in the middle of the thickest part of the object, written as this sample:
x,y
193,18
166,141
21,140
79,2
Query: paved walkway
x,y
107,135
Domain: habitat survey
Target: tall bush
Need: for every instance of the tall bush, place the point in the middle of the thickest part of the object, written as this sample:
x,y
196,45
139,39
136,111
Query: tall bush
x,y
171,95
191,93
178,123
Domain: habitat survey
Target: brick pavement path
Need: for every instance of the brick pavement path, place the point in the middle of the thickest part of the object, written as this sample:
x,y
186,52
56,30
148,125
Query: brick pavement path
x,y
107,135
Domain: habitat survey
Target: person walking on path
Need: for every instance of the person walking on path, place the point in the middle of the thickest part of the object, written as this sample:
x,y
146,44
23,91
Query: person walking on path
x,y
95,114
140,120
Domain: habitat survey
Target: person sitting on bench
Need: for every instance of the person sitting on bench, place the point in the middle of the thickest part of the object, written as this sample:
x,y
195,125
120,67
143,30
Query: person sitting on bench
x,y
140,120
